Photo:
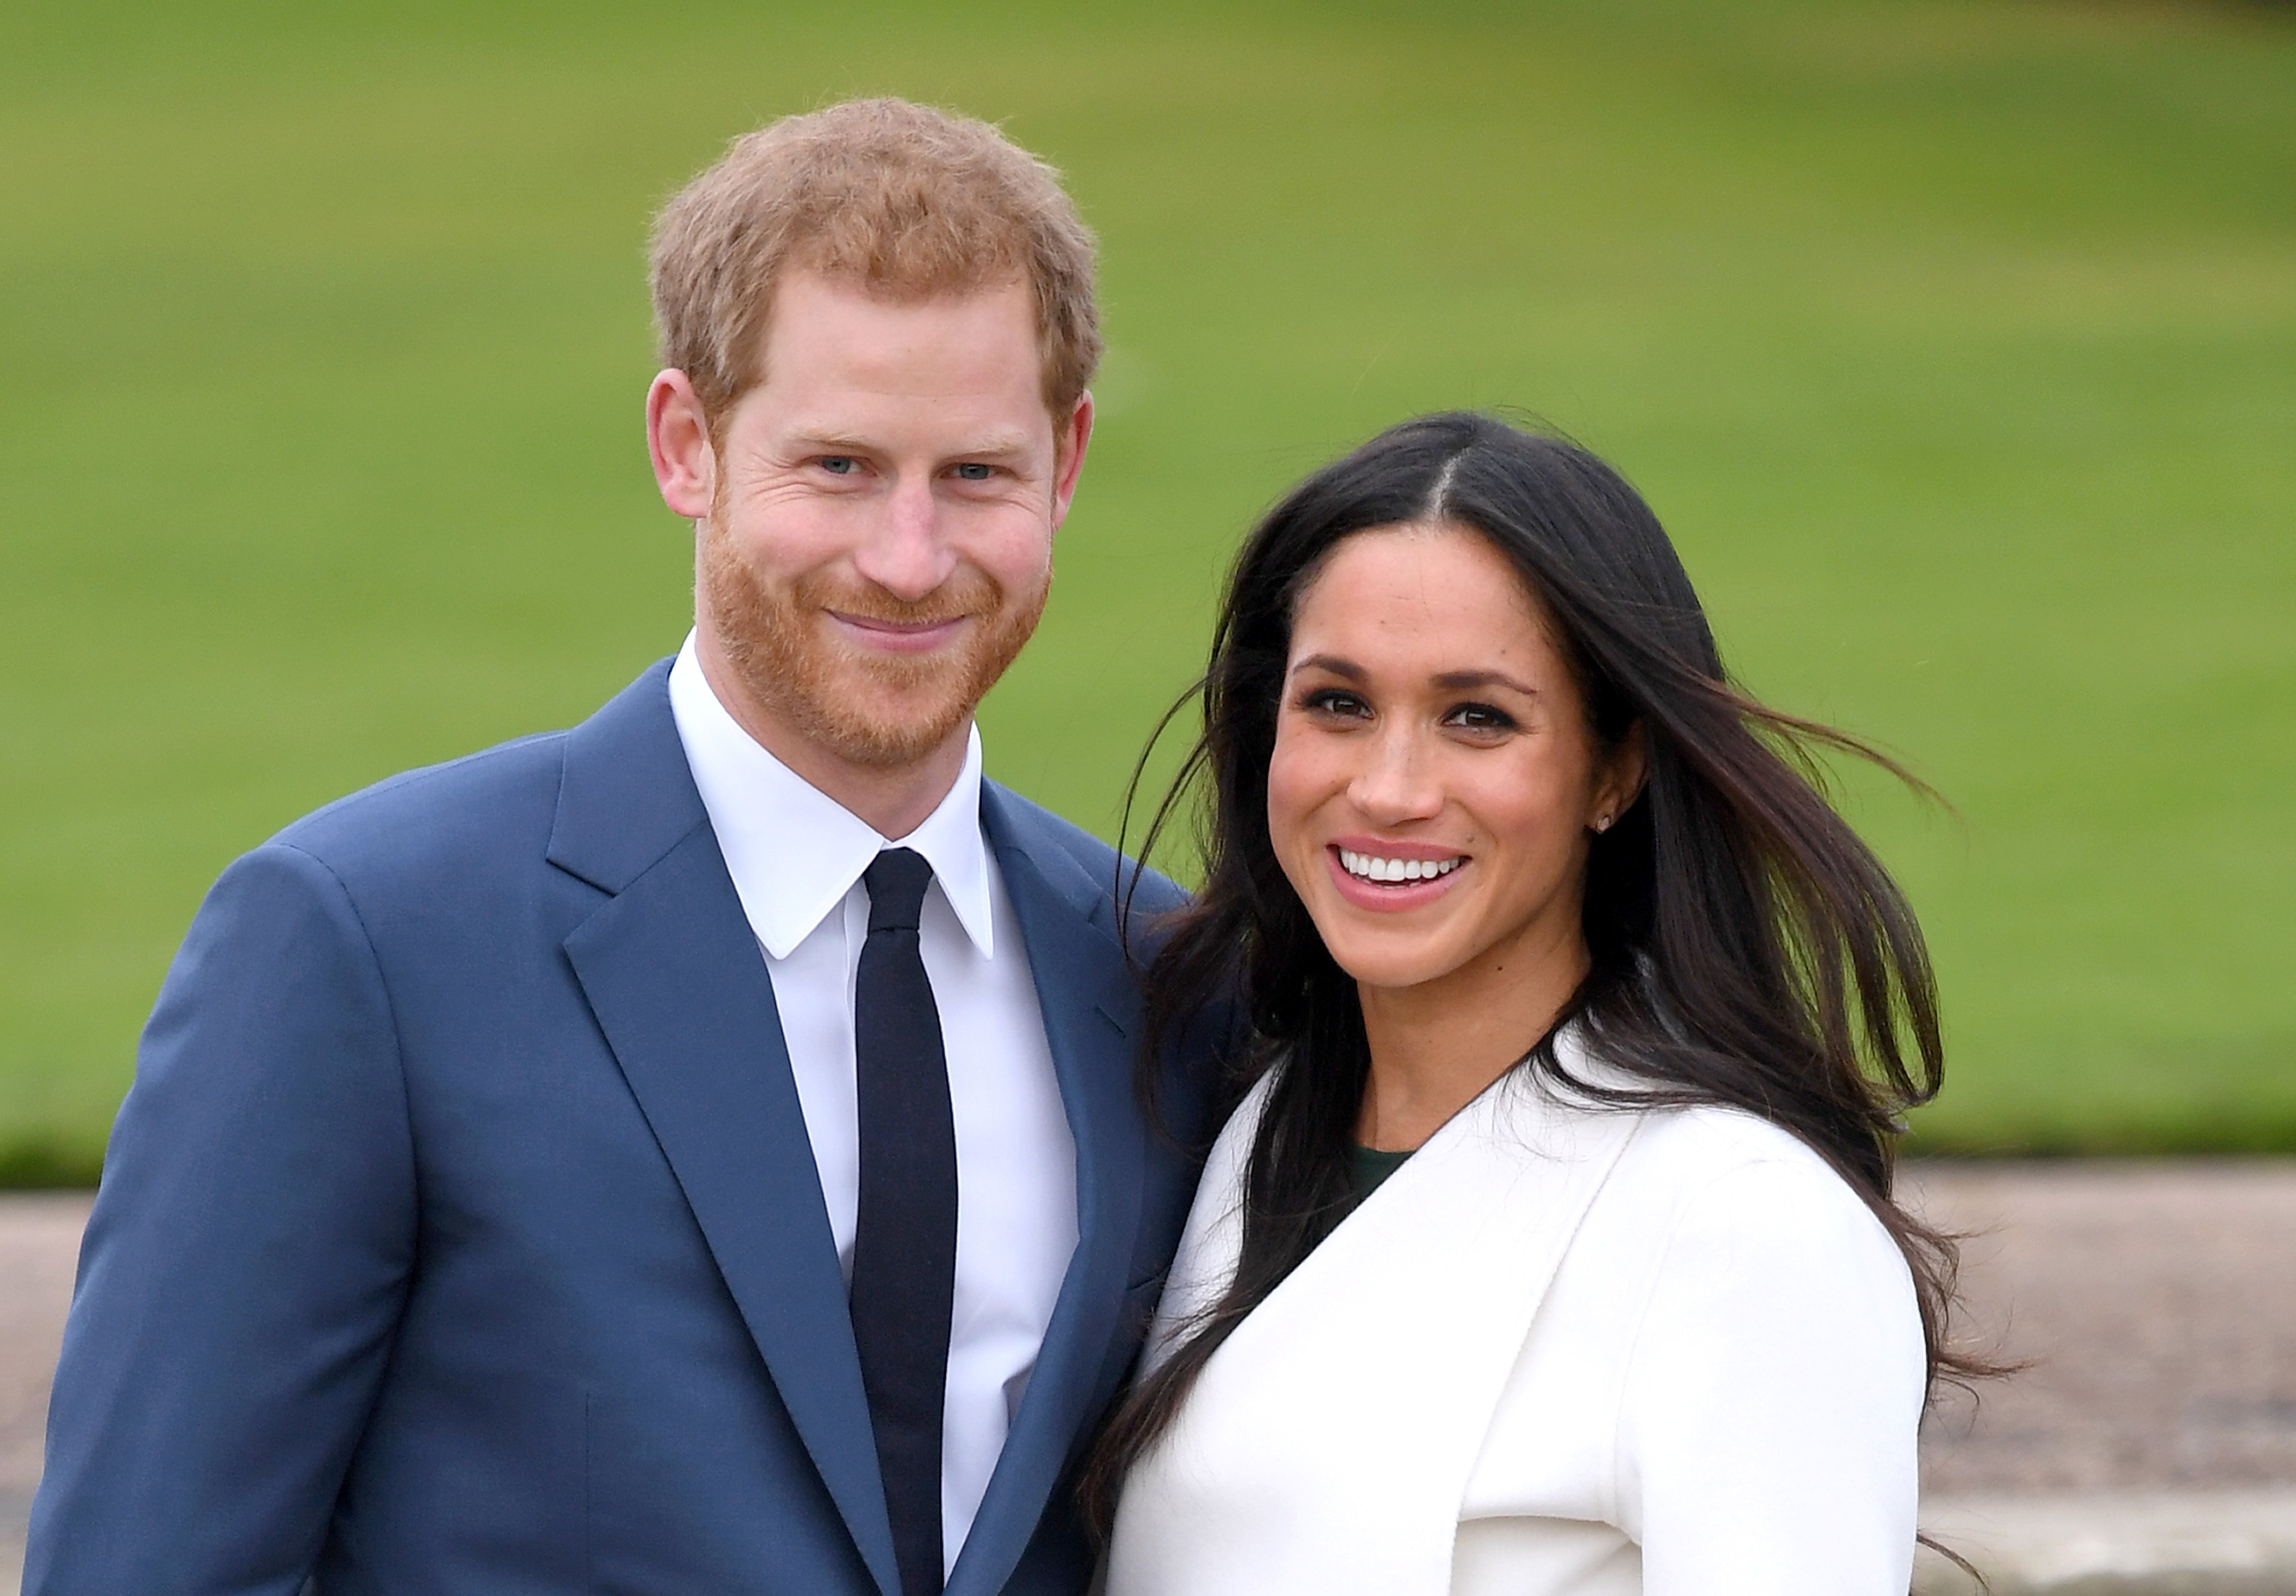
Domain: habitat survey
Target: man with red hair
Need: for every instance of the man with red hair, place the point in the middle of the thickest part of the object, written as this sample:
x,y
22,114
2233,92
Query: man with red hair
x,y
698,1152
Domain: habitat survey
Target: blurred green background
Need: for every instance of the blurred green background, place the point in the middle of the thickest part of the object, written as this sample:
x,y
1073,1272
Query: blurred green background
x,y
1955,341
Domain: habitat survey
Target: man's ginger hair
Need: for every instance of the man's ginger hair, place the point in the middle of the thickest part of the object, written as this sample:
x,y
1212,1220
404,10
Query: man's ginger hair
x,y
909,202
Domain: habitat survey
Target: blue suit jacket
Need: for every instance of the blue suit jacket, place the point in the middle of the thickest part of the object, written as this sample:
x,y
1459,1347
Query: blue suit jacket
x,y
461,1232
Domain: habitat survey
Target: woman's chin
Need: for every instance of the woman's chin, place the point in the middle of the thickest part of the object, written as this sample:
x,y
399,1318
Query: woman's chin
x,y
1380,964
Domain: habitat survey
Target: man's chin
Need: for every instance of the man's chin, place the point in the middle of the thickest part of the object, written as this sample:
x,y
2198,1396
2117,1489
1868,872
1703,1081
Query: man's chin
x,y
876,718
882,744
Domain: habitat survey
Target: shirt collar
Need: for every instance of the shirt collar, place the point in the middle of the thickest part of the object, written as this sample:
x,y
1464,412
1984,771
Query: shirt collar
x,y
793,851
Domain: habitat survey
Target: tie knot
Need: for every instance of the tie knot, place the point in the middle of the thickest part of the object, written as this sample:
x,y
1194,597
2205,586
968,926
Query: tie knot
x,y
897,879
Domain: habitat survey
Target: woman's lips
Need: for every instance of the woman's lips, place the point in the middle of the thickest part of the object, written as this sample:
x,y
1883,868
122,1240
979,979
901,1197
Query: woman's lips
x,y
1374,856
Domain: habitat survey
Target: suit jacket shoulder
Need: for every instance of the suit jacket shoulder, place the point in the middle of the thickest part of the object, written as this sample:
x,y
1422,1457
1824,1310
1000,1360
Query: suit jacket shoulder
x,y
436,818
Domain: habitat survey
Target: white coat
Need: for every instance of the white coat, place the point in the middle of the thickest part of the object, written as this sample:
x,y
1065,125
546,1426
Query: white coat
x,y
1562,1350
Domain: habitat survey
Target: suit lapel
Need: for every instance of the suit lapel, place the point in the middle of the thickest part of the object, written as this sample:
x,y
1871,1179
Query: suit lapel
x,y
674,976
1091,1011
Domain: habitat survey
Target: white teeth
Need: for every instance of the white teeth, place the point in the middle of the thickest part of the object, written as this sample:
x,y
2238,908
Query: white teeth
x,y
1372,868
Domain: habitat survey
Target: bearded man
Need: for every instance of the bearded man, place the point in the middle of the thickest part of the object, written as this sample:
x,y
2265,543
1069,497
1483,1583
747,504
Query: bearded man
x,y
697,1151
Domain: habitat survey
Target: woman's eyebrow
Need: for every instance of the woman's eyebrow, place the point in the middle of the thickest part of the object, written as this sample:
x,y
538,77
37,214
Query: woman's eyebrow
x,y
1332,663
1462,680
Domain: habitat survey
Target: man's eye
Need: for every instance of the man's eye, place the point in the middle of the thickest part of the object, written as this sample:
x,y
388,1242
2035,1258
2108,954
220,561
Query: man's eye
x,y
972,470
839,465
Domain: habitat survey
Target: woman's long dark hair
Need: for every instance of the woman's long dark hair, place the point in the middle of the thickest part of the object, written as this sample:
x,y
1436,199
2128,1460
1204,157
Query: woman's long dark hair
x,y
1747,949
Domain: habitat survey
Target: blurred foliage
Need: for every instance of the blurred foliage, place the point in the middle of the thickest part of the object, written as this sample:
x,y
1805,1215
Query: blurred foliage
x,y
1955,340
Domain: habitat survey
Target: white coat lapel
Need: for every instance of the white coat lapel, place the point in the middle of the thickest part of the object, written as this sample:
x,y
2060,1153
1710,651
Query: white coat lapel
x,y
1327,1446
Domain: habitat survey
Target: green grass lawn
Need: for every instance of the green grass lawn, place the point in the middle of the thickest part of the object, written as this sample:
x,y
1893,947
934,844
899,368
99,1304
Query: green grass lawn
x,y
1956,342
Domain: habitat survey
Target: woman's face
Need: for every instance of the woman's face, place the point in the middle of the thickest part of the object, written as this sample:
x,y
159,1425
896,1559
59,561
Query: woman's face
x,y
1434,780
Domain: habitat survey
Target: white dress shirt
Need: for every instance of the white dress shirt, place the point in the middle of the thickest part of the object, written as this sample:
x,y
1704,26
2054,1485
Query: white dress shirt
x,y
796,856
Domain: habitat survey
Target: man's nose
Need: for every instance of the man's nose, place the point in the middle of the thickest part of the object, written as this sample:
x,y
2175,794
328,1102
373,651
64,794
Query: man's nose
x,y
906,554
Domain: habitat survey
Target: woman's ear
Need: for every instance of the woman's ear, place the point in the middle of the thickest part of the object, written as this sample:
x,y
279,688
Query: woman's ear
x,y
1624,771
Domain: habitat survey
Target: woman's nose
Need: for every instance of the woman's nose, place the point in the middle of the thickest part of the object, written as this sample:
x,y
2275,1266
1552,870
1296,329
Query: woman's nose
x,y
1397,781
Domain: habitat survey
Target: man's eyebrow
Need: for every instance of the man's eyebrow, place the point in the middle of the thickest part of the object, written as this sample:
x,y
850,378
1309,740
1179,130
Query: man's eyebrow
x,y
829,443
995,445
991,445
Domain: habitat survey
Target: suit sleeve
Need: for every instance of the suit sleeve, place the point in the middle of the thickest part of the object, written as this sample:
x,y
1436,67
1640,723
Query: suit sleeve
x,y
246,1261
1774,1395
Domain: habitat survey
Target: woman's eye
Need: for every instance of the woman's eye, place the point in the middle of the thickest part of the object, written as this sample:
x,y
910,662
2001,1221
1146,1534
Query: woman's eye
x,y
1331,700
1480,717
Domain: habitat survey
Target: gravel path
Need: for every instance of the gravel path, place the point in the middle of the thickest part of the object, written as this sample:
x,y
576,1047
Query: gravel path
x,y
2156,1302
39,1245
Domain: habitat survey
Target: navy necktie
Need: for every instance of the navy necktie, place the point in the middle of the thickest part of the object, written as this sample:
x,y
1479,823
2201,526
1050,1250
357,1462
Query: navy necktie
x,y
904,1228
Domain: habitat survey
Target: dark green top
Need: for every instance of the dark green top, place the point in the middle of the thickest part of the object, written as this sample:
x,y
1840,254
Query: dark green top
x,y
1367,1166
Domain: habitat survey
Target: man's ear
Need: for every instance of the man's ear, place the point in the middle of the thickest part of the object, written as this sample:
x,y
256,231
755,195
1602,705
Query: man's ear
x,y
1069,441
677,437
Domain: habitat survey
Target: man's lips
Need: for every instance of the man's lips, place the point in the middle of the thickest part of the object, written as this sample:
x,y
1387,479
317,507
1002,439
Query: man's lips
x,y
898,638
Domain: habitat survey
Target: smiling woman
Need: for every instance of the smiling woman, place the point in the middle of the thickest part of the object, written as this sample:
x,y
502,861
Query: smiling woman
x,y
1432,790
1552,1247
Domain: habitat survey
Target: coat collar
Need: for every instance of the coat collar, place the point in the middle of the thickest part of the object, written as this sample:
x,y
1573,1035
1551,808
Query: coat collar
x,y
671,970
1432,1282
627,797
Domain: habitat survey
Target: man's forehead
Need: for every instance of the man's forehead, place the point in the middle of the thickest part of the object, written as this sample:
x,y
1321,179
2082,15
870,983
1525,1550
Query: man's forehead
x,y
806,299
936,350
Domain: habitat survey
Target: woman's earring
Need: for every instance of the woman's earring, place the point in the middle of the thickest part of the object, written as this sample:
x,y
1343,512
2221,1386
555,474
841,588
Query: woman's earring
x,y
1602,824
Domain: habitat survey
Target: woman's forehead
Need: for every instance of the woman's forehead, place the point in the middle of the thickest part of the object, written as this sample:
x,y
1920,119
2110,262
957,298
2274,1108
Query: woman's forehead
x,y
1424,592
